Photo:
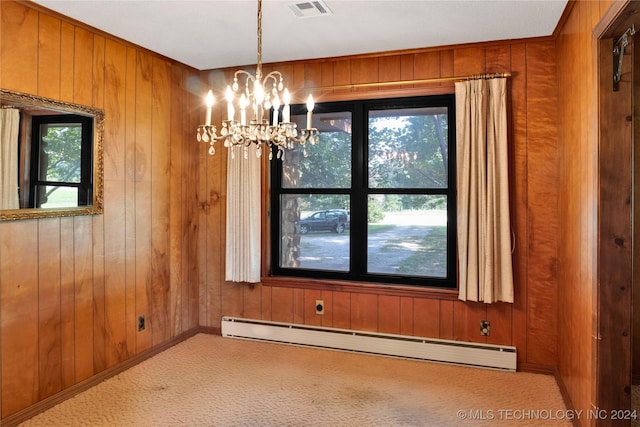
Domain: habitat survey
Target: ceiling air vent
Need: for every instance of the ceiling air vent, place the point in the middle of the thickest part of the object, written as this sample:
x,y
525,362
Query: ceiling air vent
x,y
308,9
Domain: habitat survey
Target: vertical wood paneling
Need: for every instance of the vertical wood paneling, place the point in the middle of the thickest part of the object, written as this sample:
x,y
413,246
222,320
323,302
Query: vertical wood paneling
x,y
160,195
519,199
327,318
364,70
310,316
341,74
327,74
298,305
83,296
364,312
82,85
67,59
341,310
19,50
499,314
426,65
99,327
446,320
67,303
406,316
576,53
312,74
426,318
214,201
143,153
231,298
406,69
49,331
466,321
115,203
190,259
99,359
389,68
19,323
282,304
48,56
446,62
131,313
266,308
71,288
176,288
498,59
98,83
468,61
389,314
208,231
542,151
251,302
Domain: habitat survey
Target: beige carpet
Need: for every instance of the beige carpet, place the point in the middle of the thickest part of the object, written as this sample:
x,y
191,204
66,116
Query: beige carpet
x,y
213,381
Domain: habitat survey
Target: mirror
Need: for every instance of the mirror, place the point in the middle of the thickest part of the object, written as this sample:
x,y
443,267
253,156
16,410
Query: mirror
x,y
57,147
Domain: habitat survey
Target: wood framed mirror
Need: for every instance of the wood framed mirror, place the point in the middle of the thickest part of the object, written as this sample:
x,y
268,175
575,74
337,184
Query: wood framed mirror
x,y
51,158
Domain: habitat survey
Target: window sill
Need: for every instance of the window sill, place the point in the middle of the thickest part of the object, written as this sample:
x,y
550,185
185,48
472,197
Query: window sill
x,y
360,287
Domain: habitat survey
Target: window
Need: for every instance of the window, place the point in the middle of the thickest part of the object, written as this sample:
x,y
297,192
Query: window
x,y
374,200
61,161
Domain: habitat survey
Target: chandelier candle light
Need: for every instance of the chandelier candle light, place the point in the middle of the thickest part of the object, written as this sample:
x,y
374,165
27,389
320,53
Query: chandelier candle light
x,y
264,128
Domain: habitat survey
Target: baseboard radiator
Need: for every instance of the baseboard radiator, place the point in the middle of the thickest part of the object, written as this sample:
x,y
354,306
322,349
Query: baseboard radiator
x,y
403,346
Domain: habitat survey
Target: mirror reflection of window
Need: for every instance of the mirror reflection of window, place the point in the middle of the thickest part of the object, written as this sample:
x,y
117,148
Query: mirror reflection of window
x,y
57,150
9,128
60,161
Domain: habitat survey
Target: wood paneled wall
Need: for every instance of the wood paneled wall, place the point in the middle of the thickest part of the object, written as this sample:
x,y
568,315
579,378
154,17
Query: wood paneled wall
x,y
71,289
531,323
578,141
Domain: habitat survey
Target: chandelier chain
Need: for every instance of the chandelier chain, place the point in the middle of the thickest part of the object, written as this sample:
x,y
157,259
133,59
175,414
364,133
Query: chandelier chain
x,y
259,64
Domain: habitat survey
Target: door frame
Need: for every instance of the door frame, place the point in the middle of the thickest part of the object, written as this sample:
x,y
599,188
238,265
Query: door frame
x,y
612,303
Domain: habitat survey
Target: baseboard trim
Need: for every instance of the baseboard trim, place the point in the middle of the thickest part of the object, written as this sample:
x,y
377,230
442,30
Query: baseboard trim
x,y
565,396
43,405
534,368
210,330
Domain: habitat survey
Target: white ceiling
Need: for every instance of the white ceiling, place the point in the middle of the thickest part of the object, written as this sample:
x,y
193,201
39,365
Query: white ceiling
x,y
208,34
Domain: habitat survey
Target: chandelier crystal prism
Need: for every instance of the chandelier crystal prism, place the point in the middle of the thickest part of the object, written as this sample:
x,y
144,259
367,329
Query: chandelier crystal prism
x,y
260,98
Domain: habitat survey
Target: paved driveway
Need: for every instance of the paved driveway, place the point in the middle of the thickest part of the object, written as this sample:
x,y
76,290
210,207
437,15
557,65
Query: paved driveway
x,y
387,249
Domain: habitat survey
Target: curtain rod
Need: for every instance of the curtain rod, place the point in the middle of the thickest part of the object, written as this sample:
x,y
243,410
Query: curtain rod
x,y
419,81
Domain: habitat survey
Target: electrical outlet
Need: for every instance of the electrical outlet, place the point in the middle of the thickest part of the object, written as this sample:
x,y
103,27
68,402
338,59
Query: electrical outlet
x,y
141,323
319,306
485,328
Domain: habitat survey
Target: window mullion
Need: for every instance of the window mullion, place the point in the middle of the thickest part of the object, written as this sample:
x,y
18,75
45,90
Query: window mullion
x,y
359,192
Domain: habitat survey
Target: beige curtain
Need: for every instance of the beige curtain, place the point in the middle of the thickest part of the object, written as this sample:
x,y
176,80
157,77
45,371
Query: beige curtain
x,y
484,232
243,216
9,123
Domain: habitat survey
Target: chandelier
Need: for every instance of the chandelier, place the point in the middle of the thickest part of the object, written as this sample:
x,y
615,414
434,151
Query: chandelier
x,y
259,122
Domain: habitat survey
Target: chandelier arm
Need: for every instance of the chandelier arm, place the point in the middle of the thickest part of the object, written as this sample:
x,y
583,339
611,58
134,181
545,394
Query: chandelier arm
x,y
274,75
249,78
248,74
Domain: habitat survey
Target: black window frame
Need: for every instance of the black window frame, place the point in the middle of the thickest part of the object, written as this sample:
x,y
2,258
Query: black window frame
x,y
85,185
359,193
